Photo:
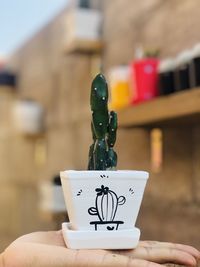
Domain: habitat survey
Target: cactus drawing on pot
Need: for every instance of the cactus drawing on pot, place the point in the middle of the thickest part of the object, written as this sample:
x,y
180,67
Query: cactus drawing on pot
x,y
104,127
106,205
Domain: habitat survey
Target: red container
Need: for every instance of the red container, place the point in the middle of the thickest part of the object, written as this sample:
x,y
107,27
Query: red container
x,y
144,76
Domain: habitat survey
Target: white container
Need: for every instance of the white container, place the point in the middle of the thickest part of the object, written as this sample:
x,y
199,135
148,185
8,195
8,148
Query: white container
x,y
83,25
166,65
28,117
51,198
102,201
183,58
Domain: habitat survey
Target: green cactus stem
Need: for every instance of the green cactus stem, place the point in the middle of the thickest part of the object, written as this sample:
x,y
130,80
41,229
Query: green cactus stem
x,y
103,126
112,129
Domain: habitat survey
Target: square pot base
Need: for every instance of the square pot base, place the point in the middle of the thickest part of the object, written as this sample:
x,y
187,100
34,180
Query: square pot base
x,y
120,239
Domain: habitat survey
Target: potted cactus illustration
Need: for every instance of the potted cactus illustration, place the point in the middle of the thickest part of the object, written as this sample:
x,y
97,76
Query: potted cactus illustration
x,y
106,205
102,202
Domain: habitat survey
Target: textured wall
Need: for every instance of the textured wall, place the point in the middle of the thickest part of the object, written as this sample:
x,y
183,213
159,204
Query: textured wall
x,y
169,25
171,201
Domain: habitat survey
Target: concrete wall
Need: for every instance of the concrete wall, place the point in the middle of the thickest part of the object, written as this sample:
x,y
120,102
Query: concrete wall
x,y
172,197
61,83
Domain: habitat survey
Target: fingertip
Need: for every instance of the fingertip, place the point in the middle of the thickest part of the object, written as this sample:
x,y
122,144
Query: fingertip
x,y
191,261
189,249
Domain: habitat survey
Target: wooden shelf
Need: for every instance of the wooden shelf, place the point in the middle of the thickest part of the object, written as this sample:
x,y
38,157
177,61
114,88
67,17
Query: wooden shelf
x,y
180,108
89,46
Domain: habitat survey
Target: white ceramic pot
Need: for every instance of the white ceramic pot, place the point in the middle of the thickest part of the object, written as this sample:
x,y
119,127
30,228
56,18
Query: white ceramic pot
x,y
103,201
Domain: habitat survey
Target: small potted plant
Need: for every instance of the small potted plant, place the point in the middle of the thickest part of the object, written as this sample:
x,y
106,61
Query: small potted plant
x,y
102,202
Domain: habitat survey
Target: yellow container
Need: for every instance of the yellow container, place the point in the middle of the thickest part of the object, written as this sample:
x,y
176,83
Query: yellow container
x,y
120,87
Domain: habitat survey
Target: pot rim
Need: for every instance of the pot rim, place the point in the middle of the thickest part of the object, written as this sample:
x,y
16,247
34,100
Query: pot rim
x,y
116,174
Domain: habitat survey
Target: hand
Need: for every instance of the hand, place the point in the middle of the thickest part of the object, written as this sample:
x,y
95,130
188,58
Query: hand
x,y
47,249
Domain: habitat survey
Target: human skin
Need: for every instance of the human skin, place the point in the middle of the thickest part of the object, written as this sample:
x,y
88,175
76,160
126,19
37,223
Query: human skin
x,y
47,249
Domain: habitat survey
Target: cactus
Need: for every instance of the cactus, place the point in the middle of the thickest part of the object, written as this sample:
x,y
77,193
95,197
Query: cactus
x,y
104,127
106,204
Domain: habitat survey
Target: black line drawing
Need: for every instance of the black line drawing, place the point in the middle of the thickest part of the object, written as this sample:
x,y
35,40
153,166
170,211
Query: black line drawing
x,y
104,176
106,205
131,190
79,192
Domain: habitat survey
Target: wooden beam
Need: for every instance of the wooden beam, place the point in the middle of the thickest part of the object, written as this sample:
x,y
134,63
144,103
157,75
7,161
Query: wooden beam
x,y
77,45
181,105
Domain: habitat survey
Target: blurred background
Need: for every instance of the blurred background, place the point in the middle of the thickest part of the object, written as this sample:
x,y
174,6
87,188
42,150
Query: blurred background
x,y
149,51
